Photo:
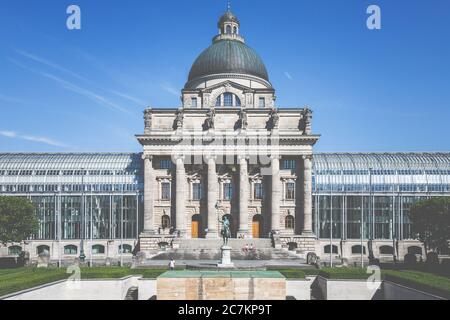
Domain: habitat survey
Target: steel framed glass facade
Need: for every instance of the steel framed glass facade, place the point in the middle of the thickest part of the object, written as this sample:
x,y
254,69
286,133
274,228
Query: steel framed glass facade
x,y
99,194
352,193
372,193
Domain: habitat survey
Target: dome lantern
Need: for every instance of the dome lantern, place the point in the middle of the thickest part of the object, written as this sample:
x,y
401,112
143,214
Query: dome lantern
x,y
228,26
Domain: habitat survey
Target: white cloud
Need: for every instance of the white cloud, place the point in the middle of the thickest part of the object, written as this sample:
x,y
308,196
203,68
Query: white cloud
x,y
128,97
170,89
50,64
45,140
8,134
288,75
11,99
99,99
84,92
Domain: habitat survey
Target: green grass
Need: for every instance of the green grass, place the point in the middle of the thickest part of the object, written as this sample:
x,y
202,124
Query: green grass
x,y
344,273
14,280
24,279
297,273
419,280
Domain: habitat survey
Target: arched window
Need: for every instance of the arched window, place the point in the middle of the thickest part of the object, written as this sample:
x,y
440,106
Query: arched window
x,y
163,245
289,222
228,99
356,249
126,248
42,249
386,250
415,250
14,250
238,101
70,249
235,30
326,249
165,222
228,29
98,249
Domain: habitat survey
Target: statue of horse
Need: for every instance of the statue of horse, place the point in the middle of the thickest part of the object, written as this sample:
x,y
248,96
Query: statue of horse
x,y
225,231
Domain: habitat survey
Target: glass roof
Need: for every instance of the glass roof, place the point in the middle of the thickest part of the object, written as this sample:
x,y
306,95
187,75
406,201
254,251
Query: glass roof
x,y
382,161
72,161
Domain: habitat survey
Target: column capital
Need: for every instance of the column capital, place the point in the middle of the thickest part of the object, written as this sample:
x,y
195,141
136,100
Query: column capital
x,y
147,157
177,157
307,157
209,157
243,157
275,157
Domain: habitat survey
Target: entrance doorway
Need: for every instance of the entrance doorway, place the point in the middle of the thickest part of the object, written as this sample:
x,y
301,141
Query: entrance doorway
x,y
196,226
257,226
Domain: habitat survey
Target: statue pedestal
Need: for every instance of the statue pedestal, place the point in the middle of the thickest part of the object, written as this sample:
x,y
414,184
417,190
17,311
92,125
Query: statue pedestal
x,y
226,258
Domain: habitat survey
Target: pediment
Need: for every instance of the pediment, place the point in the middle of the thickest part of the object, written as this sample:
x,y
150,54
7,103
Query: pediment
x,y
228,84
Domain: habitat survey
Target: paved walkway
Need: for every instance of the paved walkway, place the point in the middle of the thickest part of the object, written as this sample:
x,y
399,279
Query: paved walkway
x,y
244,264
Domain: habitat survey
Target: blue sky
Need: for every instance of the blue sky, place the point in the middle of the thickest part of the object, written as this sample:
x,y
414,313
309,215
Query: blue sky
x,y
85,90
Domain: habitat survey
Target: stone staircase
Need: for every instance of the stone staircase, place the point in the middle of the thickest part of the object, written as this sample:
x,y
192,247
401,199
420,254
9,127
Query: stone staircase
x,y
209,249
217,243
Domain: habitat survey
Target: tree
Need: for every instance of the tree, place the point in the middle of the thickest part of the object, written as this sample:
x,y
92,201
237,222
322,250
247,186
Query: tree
x,y
17,219
431,222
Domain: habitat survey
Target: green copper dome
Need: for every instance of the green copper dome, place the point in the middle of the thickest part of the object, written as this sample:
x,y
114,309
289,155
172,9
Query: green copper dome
x,y
228,56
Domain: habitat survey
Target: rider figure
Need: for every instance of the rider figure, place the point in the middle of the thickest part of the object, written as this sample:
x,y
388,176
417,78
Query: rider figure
x,y
226,233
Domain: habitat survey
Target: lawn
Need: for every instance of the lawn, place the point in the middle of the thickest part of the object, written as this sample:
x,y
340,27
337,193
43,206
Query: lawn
x,y
423,281
14,280
297,273
344,273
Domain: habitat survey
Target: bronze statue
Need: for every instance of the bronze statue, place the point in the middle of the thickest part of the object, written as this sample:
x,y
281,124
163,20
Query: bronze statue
x,y
225,231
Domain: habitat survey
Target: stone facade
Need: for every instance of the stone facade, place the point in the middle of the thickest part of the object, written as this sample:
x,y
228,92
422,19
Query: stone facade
x,y
228,150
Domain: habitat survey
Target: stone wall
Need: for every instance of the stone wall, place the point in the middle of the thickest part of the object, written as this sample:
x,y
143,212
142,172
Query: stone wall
x,y
221,286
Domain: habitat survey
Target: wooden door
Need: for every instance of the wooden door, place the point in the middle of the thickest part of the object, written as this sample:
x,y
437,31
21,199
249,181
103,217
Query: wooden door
x,y
255,229
194,229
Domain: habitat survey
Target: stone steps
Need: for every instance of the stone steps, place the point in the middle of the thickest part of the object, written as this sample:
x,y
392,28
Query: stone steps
x,y
215,254
236,244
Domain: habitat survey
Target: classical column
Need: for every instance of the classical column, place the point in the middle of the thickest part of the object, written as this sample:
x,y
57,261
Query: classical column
x,y
212,199
307,195
276,193
149,183
180,198
243,196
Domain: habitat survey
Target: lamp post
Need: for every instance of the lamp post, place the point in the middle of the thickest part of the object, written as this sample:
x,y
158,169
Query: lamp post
x,y
331,226
121,225
331,220
362,231
371,218
218,217
82,255
91,227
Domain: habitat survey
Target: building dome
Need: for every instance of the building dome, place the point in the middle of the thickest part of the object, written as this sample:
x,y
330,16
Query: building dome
x,y
227,17
228,56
